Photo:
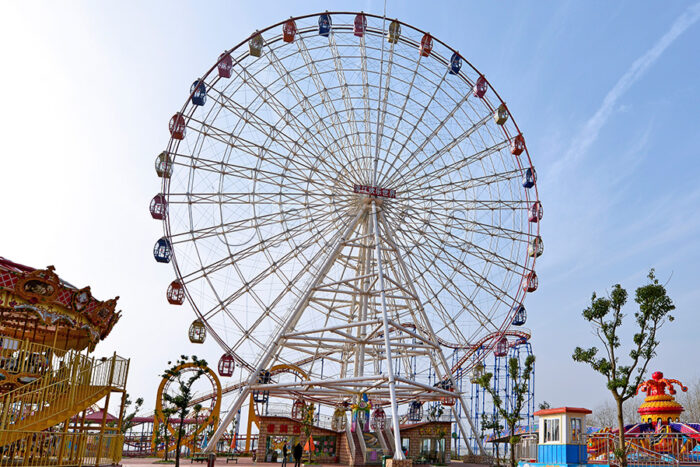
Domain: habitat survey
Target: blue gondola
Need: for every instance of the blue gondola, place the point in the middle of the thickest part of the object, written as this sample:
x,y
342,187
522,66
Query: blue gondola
x,y
199,92
162,251
530,178
415,411
520,316
455,64
324,25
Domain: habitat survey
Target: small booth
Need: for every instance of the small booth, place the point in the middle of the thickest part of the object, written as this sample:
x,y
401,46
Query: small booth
x,y
561,437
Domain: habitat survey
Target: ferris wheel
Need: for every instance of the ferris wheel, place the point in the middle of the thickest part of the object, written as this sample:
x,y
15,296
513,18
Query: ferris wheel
x,y
347,194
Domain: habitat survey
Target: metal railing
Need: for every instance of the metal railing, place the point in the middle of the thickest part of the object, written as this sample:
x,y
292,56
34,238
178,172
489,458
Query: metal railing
x,y
647,449
68,387
526,449
39,448
351,441
661,449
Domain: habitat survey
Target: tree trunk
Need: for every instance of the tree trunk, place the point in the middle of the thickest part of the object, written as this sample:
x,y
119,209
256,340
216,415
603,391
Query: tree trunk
x,y
179,440
165,435
622,452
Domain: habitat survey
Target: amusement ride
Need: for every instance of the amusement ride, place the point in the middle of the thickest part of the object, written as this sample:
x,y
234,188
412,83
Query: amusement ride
x,y
346,195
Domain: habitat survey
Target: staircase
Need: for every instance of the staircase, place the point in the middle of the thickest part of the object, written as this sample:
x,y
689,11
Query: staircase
x,y
60,394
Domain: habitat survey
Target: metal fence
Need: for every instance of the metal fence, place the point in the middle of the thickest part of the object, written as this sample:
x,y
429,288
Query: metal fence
x,y
56,448
647,449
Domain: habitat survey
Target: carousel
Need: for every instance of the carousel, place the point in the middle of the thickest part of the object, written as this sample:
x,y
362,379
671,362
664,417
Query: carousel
x,y
52,385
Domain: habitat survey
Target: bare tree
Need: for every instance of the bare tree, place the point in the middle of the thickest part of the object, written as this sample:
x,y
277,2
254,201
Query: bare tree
x,y
691,402
605,414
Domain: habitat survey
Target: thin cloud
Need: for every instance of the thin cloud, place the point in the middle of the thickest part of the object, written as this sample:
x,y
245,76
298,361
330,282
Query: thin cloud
x,y
589,133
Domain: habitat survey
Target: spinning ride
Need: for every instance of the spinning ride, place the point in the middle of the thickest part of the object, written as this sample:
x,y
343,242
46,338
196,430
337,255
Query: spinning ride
x,y
346,189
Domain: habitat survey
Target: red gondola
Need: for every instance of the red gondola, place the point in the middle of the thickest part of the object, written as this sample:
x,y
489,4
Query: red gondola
x,y
378,419
298,409
360,25
177,126
226,365
176,293
501,348
225,65
480,87
289,30
517,146
426,45
535,212
159,207
530,282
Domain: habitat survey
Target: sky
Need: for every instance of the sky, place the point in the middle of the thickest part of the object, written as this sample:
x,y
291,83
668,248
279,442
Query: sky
x,y
605,93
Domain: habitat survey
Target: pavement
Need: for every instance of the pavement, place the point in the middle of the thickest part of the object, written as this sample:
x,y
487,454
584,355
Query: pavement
x,y
221,461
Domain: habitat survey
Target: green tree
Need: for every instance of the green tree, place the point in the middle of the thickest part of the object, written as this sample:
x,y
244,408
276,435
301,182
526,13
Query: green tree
x,y
183,394
605,316
520,380
307,422
127,421
196,411
168,411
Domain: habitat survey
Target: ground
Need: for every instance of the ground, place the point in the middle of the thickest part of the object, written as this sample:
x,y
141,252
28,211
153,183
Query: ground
x,y
138,462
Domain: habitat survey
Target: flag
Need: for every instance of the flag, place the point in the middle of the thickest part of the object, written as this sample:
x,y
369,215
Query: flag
x,y
309,446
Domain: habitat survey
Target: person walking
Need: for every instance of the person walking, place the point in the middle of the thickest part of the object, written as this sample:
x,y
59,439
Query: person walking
x,y
298,451
285,453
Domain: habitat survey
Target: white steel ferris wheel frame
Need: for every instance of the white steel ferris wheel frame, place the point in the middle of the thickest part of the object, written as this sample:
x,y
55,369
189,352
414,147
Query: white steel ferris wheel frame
x,y
385,316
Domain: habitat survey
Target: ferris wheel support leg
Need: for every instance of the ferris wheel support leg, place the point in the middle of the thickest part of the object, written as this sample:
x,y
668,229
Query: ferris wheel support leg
x,y
398,452
445,367
289,324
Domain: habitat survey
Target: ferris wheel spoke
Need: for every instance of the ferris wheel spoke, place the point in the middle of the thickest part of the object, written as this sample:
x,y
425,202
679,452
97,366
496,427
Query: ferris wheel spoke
x,y
413,171
474,182
429,138
475,277
308,266
431,266
250,147
305,134
247,198
331,112
323,129
340,73
242,225
418,263
381,107
292,254
290,119
367,107
242,254
272,132
475,250
420,119
401,116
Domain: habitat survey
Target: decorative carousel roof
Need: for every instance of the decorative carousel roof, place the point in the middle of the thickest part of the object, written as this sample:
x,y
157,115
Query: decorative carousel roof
x,y
36,305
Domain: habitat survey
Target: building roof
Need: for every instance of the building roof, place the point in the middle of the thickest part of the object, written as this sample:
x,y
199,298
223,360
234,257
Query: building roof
x,y
557,410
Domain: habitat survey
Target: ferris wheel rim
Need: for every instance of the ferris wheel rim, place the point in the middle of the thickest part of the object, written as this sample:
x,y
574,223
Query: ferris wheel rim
x,y
174,144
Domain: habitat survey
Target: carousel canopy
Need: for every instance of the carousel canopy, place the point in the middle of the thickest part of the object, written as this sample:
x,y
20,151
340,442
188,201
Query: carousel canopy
x,y
38,306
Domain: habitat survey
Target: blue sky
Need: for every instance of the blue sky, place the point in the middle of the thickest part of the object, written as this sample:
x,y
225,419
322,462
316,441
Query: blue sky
x,y
605,93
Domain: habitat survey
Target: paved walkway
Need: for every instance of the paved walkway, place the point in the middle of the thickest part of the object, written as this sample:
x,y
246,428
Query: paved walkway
x,y
221,461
